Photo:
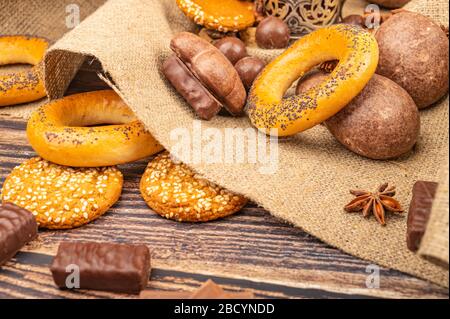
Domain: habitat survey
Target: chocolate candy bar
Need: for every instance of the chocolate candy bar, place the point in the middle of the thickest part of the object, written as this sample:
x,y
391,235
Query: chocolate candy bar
x,y
209,290
17,227
102,266
198,97
419,212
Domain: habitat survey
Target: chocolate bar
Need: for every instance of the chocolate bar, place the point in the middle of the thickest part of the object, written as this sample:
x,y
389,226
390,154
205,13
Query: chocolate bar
x,y
419,212
17,227
112,267
199,98
208,290
211,290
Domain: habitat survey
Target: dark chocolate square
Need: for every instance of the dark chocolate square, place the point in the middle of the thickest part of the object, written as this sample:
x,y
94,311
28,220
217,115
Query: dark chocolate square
x,y
419,212
17,227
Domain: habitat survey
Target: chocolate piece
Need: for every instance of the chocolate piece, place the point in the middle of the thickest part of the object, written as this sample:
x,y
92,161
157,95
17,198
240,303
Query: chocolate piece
x,y
419,212
203,103
233,48
212,69
17,227
272,33
248,69
103,266
354,19
209,290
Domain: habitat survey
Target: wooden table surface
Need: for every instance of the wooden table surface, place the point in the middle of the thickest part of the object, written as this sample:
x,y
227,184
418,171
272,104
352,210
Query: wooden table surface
x,y
251,250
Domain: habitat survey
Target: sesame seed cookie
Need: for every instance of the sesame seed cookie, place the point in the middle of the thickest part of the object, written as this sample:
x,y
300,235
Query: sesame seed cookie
x,y
175,192
62,197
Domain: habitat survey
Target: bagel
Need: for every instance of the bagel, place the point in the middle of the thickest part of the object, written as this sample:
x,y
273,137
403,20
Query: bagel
x,y
23,86
357,52
220,15
72,131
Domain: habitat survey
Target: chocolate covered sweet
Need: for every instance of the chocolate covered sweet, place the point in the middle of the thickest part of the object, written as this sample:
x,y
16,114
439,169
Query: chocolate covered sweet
x,y
414,53
419,212
212,70
233,48
368,125
17,227
272,33
199,98
208,290
248,69
211,290
102,266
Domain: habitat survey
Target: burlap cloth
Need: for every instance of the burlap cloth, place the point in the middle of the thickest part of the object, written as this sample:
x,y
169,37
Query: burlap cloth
x,y
130,38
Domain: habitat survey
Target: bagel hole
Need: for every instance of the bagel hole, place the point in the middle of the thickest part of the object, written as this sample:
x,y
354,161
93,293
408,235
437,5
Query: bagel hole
x,y
100,119
85,123
291,91
305,78
11,68
102,124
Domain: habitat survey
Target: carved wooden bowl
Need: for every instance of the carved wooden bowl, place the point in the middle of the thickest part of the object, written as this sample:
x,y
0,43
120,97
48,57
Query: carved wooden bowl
x,y
305,16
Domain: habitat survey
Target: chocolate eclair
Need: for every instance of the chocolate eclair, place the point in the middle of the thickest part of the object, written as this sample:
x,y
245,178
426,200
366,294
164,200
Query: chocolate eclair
x,y
204,76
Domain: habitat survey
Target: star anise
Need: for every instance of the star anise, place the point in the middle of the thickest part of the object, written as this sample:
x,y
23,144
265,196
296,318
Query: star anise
x,y
376,203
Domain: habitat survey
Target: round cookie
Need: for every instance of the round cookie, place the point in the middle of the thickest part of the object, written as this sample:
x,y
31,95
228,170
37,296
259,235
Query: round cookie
x,y
62,197
175,192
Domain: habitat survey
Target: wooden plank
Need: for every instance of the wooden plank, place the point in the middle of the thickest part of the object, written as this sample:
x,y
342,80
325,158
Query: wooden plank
x,y
28,276
250,250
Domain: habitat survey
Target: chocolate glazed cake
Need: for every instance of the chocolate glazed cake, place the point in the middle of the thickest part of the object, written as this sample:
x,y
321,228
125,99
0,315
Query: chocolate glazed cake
x,y
17,227
103,266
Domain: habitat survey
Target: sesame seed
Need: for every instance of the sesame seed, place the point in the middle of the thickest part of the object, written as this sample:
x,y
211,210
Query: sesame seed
x,y
52,192
175,191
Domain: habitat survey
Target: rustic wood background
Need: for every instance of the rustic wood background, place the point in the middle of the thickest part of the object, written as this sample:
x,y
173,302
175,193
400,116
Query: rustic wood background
x,y
248,251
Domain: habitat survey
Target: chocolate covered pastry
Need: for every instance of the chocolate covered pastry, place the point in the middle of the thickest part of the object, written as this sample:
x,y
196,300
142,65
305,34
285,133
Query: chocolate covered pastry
x,y
103,266
17,227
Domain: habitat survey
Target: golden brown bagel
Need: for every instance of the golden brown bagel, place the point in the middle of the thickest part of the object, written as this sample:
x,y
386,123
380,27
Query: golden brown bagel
x,y
23,86
357,52
64,131
220,15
